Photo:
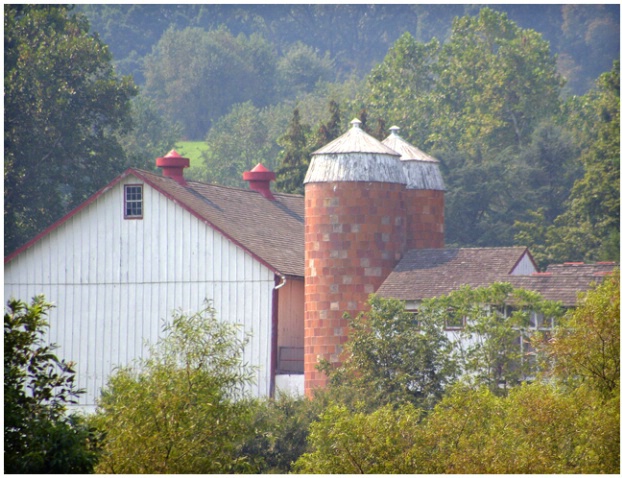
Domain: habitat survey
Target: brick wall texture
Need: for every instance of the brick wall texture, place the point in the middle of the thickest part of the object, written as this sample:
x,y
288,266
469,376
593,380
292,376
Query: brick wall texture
x,y
425,212
355,234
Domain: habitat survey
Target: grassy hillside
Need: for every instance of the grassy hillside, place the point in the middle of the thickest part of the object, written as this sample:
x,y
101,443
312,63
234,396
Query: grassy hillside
x,y
193,150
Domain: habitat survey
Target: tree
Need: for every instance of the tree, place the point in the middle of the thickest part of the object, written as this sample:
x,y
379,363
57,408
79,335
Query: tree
x,y
196,76
295,157
589,225
152,134
63,107
39,435
474,103
497,324
237,142
495,83
281,429
586,347
393,356
400,87
301,67
537,428
353,442
183,408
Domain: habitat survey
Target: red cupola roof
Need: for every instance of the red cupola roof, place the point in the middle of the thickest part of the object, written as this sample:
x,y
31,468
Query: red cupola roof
x,y
259,180
173,165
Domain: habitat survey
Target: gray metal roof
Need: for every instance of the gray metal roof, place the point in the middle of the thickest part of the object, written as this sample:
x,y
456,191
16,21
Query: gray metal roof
x,y
355,140
355,156
407,151
422,170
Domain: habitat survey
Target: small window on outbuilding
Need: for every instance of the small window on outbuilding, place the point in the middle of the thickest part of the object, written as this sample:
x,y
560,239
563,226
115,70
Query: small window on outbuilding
x,y
133,201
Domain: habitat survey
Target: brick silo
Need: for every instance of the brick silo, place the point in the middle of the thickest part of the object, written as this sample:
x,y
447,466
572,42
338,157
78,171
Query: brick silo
x,y
424,199
354,236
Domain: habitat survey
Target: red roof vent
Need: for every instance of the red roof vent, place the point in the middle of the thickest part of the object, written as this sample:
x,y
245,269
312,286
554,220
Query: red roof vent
x,y
259,180
173,165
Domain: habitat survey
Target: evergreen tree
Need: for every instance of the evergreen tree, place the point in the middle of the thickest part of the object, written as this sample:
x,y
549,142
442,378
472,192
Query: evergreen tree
x,y
294,158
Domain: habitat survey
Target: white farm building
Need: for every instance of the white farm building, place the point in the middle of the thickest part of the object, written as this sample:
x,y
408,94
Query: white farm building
x,y
285,267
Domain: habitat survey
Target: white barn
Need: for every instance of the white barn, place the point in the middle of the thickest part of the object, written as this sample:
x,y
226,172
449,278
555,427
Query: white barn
x,y
144,245
147,244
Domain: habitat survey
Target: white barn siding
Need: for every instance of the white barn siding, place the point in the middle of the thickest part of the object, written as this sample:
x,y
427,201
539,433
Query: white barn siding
x,y
114,281
524,267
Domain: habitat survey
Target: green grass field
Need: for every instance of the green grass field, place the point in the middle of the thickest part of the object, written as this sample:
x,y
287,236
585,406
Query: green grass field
x,y
192,150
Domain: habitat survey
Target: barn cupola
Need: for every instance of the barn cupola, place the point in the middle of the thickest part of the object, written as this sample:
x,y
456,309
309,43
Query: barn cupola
x,y
424,198
259,180
354,237
173,165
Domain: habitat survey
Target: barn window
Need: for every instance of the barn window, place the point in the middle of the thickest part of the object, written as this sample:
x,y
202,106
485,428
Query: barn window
x,y
133,204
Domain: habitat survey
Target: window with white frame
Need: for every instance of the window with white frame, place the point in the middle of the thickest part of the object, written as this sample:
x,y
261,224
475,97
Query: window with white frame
x,y
133,201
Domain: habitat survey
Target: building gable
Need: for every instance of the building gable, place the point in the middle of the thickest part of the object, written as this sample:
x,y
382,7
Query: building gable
x,y
114,280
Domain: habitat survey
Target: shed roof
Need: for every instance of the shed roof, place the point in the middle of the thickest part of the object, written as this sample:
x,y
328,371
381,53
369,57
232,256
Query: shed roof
x,y
427,273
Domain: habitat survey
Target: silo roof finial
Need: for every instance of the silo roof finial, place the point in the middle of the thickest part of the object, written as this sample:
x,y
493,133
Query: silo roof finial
x,y
356,123
394,130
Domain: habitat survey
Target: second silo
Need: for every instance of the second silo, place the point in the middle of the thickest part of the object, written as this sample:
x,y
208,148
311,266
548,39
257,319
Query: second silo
x,y
424,199
355,233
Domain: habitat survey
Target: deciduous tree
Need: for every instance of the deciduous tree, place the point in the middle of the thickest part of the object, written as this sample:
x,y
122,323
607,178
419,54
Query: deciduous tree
x,y
40,436
64,106
183,408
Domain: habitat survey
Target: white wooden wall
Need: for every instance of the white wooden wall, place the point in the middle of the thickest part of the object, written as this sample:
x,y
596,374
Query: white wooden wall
x,y
114,281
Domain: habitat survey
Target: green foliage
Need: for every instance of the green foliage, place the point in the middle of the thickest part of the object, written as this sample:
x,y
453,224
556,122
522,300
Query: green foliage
x,y
393,356
301,67
295,156
347,442
402,84
237,142
39,436
566,421
182,410
281,428
152,135
196,75
589,225
496,82
492,347
585,38
64,107
535,429
586,348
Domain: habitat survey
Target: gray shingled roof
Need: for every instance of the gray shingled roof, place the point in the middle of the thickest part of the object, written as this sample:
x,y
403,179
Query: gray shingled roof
x,y
429,273
425,273
273,231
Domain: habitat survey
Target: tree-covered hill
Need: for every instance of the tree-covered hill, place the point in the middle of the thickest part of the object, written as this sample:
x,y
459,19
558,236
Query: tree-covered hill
x,y
520,103
585,38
